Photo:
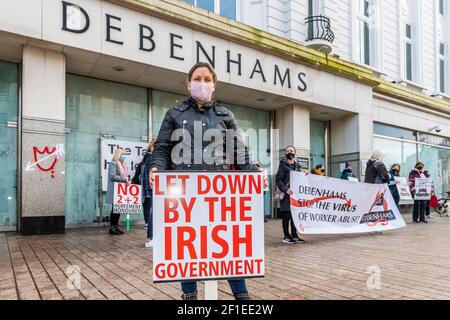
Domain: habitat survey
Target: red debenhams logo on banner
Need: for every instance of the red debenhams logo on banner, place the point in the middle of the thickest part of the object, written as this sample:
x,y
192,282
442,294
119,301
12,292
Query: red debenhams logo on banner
x,y
208,226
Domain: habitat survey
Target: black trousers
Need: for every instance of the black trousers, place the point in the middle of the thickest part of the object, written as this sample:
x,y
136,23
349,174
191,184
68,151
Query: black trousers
x,y
427,209
114,217
287,218
419,210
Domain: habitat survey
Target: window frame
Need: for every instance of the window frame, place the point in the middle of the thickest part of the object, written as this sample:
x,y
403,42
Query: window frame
x,y
443,58
217,9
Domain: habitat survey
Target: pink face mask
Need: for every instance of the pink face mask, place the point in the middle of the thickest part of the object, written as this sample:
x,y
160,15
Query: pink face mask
x,y
202,92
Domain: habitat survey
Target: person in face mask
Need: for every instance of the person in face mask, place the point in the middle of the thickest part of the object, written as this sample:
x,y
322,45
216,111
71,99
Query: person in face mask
x,y
394,173
347,172
319,170
201,112
117,172
419,205
282,180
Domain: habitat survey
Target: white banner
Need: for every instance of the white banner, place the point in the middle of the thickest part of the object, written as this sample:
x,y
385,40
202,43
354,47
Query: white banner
x,y
403,190
423,188
208,226
134,154
322,205
127,199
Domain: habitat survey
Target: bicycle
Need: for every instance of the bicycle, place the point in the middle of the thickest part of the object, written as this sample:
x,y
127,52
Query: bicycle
x,y
442,208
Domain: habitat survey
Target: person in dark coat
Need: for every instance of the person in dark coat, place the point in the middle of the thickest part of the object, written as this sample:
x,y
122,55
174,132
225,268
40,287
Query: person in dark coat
x,y
394,173
283,183
201,112
420,206
147,193
376,172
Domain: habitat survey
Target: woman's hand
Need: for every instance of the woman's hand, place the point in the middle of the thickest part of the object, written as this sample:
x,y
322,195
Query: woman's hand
x,y
289,192
152,176
266,182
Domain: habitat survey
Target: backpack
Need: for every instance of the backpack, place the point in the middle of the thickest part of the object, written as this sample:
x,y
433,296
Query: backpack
x,y
137,175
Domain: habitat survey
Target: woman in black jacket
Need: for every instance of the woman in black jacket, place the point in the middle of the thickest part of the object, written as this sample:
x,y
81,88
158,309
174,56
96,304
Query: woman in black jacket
x,y
283,182
201,113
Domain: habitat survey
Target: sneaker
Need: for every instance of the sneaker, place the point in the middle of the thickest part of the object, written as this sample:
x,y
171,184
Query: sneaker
x,y
149,244
113,231
119,231
189,296
415,221
242,296
146,226
289,241
298,240
424,221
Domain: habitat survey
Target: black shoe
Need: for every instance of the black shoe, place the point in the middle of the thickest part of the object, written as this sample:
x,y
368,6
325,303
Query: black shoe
x,y
415,221
242,296
424,221
119,231
298,240
113,231
289,240
189,296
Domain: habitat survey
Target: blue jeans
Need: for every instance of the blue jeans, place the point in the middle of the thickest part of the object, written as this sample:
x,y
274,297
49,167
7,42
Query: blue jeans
x,y
148,213
237,286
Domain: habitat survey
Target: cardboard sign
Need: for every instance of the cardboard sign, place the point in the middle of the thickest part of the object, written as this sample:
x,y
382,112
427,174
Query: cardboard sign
x,y
322,205
127,199
403,190
423,188
134,152
208,225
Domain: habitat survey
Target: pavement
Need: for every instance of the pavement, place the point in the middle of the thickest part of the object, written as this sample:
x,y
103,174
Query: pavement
x,y
410,263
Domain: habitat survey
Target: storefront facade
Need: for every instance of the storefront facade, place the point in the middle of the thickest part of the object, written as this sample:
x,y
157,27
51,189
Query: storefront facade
x,y
86,71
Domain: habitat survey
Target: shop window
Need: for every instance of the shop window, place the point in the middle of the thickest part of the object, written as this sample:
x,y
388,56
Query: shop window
x,y
394,132
317,142
95,108
8,147
401,152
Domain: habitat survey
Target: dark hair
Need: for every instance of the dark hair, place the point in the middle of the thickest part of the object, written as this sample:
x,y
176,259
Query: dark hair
x,y
396,165
319,166
418,164
202,65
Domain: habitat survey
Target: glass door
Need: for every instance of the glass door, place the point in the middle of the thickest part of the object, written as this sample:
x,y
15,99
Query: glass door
x,y
8,146
97,108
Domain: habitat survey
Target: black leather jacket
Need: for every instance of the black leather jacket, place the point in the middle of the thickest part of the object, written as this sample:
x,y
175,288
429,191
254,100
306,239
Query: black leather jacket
x,y
187,118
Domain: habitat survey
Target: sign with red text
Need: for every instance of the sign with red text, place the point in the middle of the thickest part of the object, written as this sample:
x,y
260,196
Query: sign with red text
x,y
127,198
208,225
322,205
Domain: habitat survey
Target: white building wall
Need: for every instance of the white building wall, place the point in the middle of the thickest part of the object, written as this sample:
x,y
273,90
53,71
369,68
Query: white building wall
x,y
391,39
286,18
429,46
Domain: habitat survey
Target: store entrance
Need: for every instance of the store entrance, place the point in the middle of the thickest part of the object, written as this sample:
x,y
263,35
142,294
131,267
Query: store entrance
x,y
97,110
8,148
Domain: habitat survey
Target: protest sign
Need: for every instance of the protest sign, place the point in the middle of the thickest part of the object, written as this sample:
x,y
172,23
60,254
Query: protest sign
x,y
208,225
127,199
423,188
322,205
403,190
134,152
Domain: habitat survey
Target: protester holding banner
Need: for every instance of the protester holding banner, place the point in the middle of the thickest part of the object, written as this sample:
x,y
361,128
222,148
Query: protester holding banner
x,y
419,204
376,172
117,172
283,182
147,192
394,173
177,130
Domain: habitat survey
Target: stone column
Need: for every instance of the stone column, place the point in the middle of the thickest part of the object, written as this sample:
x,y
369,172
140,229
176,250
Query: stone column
x,y
293,123
43,124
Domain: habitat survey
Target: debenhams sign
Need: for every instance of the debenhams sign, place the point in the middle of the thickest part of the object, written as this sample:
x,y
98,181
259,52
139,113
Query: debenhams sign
x,y
165,44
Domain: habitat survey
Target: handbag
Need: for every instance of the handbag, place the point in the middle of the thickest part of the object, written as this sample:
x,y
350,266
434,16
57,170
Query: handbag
x,y
434,203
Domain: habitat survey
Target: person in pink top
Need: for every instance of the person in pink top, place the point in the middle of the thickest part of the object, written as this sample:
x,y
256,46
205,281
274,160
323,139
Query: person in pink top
x,y
419,205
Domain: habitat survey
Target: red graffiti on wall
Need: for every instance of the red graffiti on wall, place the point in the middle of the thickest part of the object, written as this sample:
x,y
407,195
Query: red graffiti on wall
x,y
57,152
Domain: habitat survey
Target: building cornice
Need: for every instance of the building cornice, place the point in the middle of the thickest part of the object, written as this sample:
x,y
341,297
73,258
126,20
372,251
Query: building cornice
x,y
195,18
